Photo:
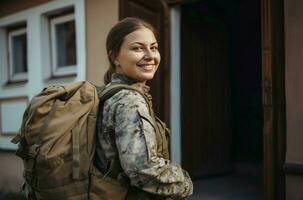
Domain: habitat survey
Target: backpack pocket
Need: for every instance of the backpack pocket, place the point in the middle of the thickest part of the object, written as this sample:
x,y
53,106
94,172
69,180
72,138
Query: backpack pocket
x,y
104,187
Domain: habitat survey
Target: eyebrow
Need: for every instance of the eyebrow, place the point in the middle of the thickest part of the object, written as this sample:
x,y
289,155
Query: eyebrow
x,y
142,43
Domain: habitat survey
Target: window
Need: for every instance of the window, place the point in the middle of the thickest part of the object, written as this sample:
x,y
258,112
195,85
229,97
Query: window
x,y
17,54
63,45
37,44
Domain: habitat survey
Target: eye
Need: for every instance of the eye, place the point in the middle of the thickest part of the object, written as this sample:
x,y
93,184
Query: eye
x,y
154,48
137,48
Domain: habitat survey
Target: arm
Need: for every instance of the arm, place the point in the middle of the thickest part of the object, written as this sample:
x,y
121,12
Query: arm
x,y
137,147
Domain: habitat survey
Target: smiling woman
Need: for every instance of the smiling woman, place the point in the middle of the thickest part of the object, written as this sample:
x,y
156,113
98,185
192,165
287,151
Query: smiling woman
x,y
132,143
138,57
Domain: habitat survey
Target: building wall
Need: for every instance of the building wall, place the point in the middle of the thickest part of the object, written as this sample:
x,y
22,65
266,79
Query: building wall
x,y
94,18
14,96
100,17
11,166
294,94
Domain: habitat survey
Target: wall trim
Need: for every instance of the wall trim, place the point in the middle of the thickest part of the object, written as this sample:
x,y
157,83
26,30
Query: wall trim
x,y
293,168
175,86
14,99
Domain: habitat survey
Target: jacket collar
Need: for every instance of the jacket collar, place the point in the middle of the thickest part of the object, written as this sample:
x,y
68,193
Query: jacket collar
x,y
122,79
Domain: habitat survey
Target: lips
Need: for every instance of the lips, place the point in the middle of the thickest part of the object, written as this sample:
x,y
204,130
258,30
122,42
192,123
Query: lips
x,y
147,66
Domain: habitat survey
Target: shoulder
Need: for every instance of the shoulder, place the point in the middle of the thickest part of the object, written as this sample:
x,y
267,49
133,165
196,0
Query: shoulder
x,y
127,98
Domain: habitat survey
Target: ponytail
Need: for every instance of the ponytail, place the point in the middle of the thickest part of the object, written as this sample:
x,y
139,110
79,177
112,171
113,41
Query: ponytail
x,y
108,74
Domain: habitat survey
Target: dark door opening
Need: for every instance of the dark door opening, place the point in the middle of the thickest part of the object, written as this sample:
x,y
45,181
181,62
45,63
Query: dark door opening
x,y
221,95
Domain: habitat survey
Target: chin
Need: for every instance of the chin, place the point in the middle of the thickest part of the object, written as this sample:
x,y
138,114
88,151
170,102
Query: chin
x,y
145,77
148,76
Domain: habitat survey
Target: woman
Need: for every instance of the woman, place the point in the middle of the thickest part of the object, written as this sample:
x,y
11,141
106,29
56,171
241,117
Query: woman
x,y
128,132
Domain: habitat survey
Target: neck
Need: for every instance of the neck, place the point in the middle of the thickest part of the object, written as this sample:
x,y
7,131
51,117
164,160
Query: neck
x,y
141,83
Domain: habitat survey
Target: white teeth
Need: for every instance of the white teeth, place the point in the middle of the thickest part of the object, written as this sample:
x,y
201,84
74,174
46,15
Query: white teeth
x,y
147,67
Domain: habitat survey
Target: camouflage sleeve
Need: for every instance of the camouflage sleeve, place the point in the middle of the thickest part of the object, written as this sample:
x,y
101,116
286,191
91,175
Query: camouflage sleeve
x,y
137,147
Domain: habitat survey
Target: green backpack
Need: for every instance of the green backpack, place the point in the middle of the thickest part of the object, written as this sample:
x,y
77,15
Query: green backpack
x,y
57,144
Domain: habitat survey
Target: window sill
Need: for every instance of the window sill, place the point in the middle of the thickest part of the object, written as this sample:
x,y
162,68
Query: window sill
x,y
15,82
62,76
5,143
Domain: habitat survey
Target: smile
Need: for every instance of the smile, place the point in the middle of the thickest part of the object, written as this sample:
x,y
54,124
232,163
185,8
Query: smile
x,y
147,66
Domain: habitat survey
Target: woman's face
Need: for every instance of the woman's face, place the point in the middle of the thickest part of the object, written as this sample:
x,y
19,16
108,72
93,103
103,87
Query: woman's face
x,y
138,57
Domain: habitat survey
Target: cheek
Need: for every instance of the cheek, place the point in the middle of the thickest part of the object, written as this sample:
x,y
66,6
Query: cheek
x,y
133,58
158,57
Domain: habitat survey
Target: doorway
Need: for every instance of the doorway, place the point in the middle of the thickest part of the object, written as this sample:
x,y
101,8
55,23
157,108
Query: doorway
x,y
221,98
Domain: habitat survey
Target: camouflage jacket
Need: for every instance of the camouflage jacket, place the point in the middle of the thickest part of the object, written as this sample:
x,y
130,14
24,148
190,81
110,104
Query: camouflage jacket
x,y
127,131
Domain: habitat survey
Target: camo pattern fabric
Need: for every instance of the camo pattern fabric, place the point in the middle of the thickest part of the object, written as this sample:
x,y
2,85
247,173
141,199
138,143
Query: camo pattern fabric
x,y
128,130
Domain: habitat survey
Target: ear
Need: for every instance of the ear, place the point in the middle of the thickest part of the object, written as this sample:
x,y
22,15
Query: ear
x,y
116,62
112,58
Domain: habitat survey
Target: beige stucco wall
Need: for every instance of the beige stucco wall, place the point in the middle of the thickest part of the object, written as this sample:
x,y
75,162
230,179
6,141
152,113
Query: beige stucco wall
x,y
101,15
294,93
11,169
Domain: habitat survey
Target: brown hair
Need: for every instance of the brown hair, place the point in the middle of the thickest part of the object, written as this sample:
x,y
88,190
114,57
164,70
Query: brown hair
x,y
116,37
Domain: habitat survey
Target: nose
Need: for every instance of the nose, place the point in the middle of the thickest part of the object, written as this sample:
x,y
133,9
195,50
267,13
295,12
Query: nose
x,y
148,54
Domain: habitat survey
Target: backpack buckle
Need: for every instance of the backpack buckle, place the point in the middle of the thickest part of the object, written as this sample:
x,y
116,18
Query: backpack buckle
x,y
16,139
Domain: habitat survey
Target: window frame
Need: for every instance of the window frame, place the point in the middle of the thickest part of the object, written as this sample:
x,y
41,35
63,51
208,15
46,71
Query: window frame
x,y
62,70
14,77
